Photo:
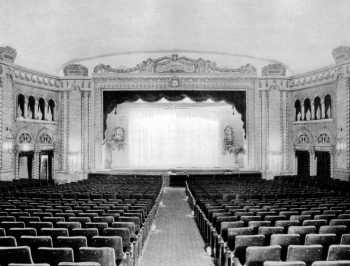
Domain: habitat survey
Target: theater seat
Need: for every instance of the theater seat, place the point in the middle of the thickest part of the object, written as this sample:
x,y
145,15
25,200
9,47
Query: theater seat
x,y
53,256
20,254
345,239
332,263
34,242
74,242
8,241
124,233
28,264
284,263
105,256
244,241
322,239
284,240
79,264
339,252
89,233
308,254
256,256
115,242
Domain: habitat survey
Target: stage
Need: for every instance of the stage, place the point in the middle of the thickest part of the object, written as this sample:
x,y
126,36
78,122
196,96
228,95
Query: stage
x,y
178,176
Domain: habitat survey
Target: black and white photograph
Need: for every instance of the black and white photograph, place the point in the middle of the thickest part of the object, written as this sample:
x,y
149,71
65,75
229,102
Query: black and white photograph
x,y
174,132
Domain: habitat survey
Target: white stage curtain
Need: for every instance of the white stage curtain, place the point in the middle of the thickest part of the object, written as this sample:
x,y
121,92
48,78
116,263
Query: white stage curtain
x,y
170,136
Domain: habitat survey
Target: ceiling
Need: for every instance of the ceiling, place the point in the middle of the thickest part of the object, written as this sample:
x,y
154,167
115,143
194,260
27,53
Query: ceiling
x,y
49,33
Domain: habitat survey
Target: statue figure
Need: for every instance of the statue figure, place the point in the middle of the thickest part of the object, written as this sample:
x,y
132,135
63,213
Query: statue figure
x,y
39,114
302,112
19,112
48,116
312,117
25,108
29,112
323,113
299,116
329,112
318,113
308,115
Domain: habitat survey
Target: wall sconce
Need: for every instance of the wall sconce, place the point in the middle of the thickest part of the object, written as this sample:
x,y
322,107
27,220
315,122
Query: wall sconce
x,y
341,145
9,142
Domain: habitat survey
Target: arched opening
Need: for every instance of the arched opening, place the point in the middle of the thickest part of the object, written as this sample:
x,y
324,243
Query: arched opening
x,y
297,107
323,164
45,165
31,108
318,110
20,106
25,156
41,109
51,110
307,109
328,106
303,163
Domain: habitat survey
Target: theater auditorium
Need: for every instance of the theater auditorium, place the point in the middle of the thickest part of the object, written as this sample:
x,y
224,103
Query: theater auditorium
x,y
172,156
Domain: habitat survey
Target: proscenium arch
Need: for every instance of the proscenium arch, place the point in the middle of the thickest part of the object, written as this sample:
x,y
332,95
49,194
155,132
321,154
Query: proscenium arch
x,y
172,51
112,98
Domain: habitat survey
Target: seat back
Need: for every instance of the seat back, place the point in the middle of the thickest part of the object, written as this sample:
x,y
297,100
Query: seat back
x,y
255,256
308,254
104,255
284,263
332,263
74,242
79,264
8,241
34,242
53,256
20,254
123,232
339,252
244,241
333,229
18,232
302,230
115,242
345,239
322,239
284,240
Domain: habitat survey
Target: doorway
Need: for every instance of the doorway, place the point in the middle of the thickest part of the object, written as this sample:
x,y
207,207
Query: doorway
x,y
25,165
45,165
323,164
303,163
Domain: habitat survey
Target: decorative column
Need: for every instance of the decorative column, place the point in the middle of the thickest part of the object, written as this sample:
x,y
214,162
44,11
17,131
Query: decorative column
x,y
64,132
313,163
312,117
284,129
36,163
302,111
264,129
323,107
16,164
85,130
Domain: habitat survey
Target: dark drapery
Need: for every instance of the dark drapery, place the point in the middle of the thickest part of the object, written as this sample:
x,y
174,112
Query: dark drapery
x,y
112,98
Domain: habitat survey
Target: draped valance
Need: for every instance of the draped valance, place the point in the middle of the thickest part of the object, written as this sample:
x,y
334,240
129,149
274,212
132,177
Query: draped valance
x,y
112,98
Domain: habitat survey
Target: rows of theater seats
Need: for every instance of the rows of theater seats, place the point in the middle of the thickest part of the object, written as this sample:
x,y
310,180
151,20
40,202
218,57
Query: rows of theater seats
x,y
310,227
95,222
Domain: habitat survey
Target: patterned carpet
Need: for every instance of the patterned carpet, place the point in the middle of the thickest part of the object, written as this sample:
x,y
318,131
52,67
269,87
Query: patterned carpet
x,y
175,239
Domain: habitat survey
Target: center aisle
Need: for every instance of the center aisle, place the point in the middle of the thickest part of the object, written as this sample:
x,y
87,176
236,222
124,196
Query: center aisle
x,y
175,239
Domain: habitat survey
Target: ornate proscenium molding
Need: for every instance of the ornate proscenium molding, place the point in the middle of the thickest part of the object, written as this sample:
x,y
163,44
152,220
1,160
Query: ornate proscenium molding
x,y
341,54
75,70
176,64
273,70
8,54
